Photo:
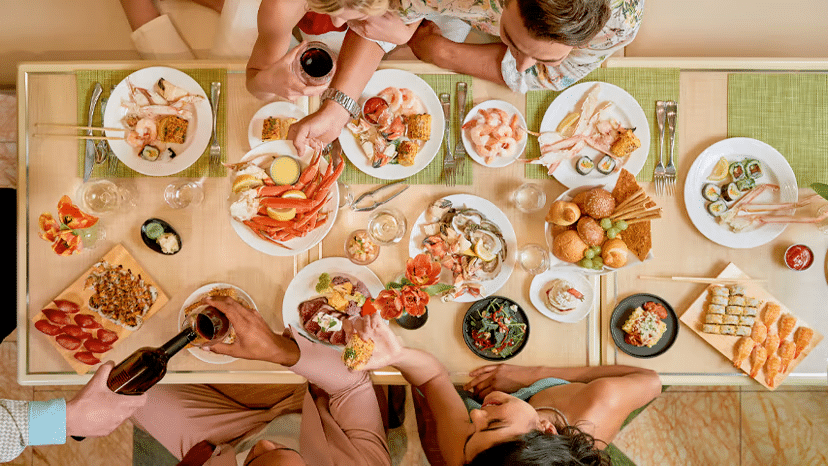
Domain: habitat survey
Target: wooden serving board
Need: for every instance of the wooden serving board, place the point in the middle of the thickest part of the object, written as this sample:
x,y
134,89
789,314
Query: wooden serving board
x,y
693,317
78,294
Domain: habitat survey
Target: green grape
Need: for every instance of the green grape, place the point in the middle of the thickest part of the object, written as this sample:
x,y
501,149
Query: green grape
x,y
606,223
597,263
621,225
596,249
589,254
585,263
612,233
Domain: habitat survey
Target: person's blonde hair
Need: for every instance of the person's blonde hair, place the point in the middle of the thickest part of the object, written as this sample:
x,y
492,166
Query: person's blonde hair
x,y
331,7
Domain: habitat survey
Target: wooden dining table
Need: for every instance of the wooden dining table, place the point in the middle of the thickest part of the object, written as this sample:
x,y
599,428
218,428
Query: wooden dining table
x,y
213,253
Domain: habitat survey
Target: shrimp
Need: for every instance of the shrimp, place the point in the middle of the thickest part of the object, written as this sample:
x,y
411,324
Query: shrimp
x,y
144,133
786,325
802,338
759,332
517,131
772,342
743,348
757,359
772,369
409,103
787,352
508,147
394,130
393,96
772,311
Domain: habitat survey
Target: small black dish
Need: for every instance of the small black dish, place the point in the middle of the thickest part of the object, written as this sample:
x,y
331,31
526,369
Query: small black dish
x,y
622,312
152,243
520,317
409,322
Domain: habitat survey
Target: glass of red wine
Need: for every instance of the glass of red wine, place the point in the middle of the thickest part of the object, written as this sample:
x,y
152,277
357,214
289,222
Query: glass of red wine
x,y
209,323
316,63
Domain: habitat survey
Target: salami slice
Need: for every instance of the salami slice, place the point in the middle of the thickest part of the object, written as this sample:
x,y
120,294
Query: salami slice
x,y
68,341
67,306
57,316
87,358
47,327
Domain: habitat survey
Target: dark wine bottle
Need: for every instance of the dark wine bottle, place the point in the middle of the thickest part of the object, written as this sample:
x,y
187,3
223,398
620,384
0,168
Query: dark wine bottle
x,y
146,366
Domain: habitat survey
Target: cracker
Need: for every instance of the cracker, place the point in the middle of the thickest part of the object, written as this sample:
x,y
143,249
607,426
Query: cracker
x,y
637,236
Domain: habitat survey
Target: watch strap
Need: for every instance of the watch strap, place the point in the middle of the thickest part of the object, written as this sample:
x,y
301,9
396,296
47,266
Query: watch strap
x,y
342,99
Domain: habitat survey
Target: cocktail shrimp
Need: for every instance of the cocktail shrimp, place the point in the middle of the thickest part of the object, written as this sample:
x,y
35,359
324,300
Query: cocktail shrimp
x,y
394,97
145,132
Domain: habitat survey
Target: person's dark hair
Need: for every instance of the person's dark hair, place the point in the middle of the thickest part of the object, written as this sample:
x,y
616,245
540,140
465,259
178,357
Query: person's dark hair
x,y
570,447
568,22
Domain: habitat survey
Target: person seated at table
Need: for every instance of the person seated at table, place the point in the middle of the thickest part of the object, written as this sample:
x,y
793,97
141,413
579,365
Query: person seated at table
x,y
95,411
553,416
333,420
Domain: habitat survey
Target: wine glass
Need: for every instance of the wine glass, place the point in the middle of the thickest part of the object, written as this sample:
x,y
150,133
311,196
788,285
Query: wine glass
x,y
823,225
315,63
101,196
92,236
209,323
387,226
529,197
533,258
182,194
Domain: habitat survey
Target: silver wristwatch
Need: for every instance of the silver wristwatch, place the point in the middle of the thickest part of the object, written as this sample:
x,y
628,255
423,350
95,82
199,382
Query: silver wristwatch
x,y
342,99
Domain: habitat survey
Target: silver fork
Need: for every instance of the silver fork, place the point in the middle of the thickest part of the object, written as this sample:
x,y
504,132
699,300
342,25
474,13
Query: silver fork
x,y
459,148
672,110
215,148
659,173
449,162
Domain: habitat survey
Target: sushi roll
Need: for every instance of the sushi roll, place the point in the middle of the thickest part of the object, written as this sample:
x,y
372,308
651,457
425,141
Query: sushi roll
x,y
712,328
710,191
606,165
737,290
719,290
754,169
714,319
168,154
728,329
729,319
720,300
717,208
743,331
731,192
746,184
747,320
751,301
150,153
737,171
736,301
751,311
715,309
584,165
734,310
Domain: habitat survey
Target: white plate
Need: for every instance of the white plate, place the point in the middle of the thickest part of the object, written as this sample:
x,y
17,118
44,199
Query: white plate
x,y
273,109
398,78
776,171
296,245
208,356
537,295
492,213
199,130
567,195
499,161
625,109
303,287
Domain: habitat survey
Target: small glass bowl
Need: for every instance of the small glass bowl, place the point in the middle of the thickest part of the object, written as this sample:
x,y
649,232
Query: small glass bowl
x,y
529,197
533,258
387,226
360,248
797,267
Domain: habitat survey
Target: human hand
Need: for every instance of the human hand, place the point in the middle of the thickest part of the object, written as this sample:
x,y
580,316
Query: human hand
x,y
387,346
426,40
284,82
499,377
320,128
386,28
254,338
96,411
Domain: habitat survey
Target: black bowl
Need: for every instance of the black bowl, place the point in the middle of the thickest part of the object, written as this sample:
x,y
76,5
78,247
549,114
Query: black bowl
x,y
153,244
488,355
622,312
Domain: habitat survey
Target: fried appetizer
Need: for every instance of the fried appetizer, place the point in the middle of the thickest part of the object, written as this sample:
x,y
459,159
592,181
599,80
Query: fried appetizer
x,y
172,129
626,143
406,152
419,127
276,128
357,352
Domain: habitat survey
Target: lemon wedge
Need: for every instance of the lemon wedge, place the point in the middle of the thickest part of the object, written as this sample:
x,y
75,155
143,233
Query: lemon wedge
x,y
482,251
294,194
720,170
281,214
245,182
567,126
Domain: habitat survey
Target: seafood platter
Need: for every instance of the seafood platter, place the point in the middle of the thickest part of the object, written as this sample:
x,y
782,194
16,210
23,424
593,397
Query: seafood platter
x,y
282,204
476,246
562,295
325,293
166,120
400,129
591,131
644,325
494,133
598,229
272,122
740,193
100,309
495,328
751,328
193,302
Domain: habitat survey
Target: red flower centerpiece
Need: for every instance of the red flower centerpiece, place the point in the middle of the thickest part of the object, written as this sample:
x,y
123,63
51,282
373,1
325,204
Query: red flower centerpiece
x,y
66,233
412,293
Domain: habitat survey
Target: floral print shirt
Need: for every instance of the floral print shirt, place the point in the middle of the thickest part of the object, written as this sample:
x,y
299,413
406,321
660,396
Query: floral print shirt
x,y
484,15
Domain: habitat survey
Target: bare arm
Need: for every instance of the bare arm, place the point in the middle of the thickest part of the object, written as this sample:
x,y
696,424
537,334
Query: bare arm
x,y
139,12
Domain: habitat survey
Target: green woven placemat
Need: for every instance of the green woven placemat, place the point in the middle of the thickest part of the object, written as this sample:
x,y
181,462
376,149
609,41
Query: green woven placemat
x,y
431,174
788,111
646,85
86,80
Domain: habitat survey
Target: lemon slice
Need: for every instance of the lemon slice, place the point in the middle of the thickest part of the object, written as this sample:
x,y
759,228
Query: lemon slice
x,y
567,126
482,251
719,170
294,194
245,182
281,214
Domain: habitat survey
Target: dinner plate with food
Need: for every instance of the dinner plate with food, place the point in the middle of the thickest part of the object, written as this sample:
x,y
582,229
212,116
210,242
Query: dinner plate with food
x,y
400,129
494,133
282,204
472,239
166,119
599,229
644,325
272,122
739,192
562,295
325,293
495,328
589,132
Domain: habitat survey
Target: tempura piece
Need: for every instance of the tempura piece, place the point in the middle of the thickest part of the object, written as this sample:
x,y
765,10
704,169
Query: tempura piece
x,y
743,348
759,332
772,342
772,370
787,350
772,311
802,338
757,359
786,325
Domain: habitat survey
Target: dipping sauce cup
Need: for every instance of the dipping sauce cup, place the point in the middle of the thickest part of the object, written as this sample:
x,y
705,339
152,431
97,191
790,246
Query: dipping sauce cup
x,y
799,257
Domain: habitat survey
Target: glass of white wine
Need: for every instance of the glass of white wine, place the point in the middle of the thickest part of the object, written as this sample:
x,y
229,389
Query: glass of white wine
x,y
182,194
101,196
387,226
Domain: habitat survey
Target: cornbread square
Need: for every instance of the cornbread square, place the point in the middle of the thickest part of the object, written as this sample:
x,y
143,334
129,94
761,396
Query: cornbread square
x,y
406,152
172,129
626,143
419,127
274,128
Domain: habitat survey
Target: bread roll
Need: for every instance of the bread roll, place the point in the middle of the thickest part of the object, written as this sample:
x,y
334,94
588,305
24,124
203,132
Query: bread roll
x,y
614,253
590,231
599,203
568,246
563,213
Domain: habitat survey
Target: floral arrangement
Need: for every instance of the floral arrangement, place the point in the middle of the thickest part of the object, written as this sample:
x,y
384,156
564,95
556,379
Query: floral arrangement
x,y
64,233
412,293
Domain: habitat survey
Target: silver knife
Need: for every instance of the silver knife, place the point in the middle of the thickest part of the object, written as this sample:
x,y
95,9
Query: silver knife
x,y
459,149
91,150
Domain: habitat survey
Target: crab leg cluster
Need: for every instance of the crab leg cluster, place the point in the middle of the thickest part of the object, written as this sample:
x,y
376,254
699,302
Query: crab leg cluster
x,y
767,213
